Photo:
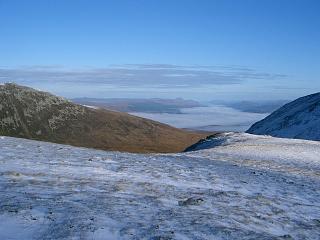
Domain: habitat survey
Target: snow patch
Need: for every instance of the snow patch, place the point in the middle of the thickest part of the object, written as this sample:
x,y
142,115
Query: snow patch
x,y
93,107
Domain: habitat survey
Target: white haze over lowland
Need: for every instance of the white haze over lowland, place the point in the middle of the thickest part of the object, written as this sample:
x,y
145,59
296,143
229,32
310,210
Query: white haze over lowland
x,y
211,118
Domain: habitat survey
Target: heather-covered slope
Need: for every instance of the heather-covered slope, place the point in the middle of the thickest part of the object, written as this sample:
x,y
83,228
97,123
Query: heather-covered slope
x,y
298,119
27,113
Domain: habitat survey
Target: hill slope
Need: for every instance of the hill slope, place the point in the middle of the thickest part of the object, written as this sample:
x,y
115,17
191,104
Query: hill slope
x,y
246,187
27,113
298,119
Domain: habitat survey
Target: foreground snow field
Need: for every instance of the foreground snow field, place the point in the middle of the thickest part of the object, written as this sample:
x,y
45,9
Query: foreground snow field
x,y
246,187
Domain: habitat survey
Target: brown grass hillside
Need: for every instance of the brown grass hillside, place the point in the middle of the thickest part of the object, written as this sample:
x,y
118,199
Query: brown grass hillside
x,y
27,113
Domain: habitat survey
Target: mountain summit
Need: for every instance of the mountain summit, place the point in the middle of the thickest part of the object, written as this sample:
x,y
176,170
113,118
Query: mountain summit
x,y
32,114
298,119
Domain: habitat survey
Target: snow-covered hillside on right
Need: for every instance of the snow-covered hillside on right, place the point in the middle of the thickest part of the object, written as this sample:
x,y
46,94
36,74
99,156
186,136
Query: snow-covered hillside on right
x,y
298,119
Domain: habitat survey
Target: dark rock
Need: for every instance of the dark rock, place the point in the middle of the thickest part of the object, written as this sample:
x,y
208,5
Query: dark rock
x,y
191,201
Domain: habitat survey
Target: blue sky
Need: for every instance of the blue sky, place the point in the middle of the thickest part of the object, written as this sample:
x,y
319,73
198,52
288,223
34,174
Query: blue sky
x,y
197,49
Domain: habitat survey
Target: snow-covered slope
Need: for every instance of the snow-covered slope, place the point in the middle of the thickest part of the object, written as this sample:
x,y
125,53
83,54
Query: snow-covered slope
x,y
298,119
246,187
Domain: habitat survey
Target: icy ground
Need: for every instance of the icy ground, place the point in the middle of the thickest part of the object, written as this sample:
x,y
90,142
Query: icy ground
x,y
246,187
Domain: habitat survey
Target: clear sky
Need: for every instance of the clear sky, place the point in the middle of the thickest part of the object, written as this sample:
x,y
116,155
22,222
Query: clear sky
x,y
201,49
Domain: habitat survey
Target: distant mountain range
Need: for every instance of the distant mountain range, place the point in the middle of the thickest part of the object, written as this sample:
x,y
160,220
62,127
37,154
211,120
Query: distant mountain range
x,y
150,105
28,113
298,119
257,106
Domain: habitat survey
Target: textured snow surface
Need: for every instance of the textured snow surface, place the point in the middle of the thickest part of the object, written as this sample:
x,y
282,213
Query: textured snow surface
x,y
298,119
246,187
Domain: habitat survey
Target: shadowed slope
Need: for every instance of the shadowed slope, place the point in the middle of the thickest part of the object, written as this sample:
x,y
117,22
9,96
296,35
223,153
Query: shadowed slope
x,y
297,119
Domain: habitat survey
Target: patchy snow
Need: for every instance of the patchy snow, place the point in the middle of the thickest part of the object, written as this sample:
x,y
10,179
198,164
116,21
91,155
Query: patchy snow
x,y
246,187
89,106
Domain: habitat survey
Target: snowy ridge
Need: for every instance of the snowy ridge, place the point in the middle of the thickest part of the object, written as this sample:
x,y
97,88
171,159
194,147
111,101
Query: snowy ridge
x,y
298,119
246,187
